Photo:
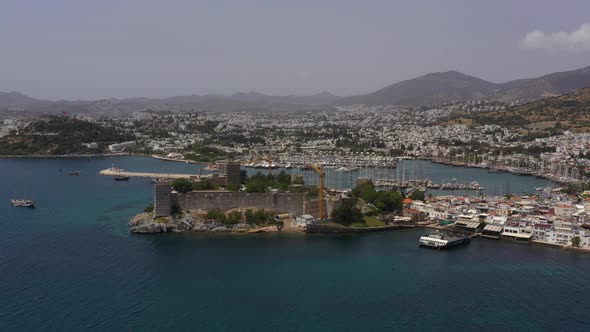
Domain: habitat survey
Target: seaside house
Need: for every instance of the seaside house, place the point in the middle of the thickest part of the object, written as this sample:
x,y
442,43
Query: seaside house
x,y
540,232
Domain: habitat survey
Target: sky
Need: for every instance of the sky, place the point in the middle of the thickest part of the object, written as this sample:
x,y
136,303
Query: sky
x,y
87,49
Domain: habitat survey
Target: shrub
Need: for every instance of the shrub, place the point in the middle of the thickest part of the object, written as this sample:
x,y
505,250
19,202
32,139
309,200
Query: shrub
x,y
182,185
347,214
217,216
149,208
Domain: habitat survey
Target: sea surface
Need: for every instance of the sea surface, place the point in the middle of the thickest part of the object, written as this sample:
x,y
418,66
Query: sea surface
x,y
72,265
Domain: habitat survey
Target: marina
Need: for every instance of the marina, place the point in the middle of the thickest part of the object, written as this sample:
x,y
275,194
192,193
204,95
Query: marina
x,y
438,179
340,163
557,171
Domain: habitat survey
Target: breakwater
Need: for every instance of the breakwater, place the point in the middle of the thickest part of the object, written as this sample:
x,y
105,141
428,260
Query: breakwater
x,y
117,172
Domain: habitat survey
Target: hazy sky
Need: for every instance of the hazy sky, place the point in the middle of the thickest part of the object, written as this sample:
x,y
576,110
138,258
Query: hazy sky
x,y
120,48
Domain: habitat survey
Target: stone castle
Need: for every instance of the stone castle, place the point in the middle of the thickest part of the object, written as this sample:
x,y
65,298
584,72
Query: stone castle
x,y
295,203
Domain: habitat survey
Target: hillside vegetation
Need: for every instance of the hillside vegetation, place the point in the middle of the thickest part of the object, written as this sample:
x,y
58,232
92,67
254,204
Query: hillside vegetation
x,y
58,135
567,112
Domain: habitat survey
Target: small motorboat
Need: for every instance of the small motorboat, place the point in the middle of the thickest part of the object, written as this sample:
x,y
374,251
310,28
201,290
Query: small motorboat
x,y
22,203
122,178
74,173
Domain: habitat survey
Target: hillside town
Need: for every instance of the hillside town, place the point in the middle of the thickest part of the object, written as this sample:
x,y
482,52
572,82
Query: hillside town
x,y
351,136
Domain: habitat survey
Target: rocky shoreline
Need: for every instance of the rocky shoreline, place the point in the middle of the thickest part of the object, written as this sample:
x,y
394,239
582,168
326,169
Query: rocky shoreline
x,y
146,223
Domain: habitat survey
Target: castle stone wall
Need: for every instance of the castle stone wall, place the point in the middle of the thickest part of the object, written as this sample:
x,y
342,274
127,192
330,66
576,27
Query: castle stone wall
x,y
292,203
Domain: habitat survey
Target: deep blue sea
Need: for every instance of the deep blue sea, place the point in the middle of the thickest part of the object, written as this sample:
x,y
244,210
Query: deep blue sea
x,y
71,265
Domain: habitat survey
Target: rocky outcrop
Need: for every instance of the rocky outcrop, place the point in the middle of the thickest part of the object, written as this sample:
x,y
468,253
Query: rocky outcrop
x,y
153,228
146,223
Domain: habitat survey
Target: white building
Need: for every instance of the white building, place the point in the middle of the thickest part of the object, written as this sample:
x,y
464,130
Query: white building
x,y
303,220
121,146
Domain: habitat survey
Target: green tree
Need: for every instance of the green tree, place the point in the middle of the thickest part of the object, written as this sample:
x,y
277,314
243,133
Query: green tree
x,y
256,186
417,195
365,190
231,187
204,185
182,185
347,214
575,241
388,201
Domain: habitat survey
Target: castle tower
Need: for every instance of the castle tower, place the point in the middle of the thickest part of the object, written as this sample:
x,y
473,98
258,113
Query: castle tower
x,y
162,199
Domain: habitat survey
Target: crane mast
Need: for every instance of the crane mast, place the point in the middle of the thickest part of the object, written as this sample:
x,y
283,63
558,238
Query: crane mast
x,y
319,170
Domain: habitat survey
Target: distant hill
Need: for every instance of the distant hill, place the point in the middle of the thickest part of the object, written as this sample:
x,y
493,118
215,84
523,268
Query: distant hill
x,y
550,115
445,87
430,89
433,88
15,99
239,102
546,86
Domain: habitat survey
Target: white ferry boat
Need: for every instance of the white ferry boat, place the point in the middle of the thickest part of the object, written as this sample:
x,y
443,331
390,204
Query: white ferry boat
x,y
440,240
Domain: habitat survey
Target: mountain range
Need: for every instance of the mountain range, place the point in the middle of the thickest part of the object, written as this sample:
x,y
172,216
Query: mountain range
x,y
445,87
14,99
430,89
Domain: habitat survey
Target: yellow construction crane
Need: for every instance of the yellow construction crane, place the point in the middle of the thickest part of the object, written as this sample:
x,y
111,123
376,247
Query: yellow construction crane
x,y
319,170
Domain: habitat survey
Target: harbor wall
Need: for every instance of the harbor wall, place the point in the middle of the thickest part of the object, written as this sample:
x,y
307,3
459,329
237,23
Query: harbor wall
x,y
321,228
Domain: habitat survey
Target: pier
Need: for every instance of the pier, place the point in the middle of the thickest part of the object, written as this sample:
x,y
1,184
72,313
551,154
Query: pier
x,y
119,172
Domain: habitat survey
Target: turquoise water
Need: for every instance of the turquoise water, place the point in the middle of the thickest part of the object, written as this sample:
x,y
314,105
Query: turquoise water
x,y
71,265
